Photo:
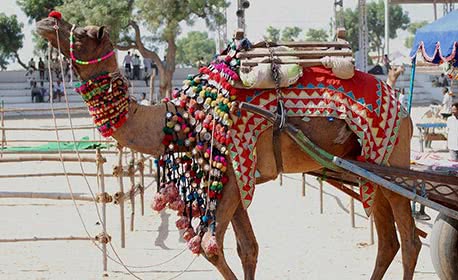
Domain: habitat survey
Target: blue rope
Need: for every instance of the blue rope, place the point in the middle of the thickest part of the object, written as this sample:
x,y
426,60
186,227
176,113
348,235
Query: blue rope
x,y
412,78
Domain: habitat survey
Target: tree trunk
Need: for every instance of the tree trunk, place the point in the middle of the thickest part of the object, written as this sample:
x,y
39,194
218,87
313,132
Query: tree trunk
x,y
16,55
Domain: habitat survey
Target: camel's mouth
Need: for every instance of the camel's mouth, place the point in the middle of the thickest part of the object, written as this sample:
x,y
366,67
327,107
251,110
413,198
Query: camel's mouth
x,y
45,27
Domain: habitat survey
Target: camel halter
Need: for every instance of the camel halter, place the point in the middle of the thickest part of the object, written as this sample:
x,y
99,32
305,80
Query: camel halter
x,y
82,62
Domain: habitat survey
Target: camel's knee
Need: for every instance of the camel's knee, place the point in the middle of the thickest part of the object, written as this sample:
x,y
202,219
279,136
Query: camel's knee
x,y
248,252
390,247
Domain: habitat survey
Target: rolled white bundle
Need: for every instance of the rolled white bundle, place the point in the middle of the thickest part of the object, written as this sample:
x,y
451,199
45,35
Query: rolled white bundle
x,y
343,68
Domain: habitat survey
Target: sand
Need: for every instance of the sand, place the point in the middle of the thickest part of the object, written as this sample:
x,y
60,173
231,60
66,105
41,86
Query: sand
x,y
295,240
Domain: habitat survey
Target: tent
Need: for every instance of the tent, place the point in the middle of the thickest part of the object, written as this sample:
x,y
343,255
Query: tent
x,y
437,43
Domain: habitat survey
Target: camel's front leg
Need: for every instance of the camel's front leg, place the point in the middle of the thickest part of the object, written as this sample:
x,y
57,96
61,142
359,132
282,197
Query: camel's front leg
x,y
247,246
224,213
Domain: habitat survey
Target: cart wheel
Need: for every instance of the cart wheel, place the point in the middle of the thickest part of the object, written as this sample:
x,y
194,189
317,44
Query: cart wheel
x,y
444,247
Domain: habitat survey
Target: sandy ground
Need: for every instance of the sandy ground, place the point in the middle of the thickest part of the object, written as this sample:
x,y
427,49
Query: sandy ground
x,y
295,240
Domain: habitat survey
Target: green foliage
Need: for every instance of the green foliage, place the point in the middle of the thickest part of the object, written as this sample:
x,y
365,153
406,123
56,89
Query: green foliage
x,y
318,35
113,14
193,47
38,9
273,34
164,17
375,24
412,30
290,34
10,38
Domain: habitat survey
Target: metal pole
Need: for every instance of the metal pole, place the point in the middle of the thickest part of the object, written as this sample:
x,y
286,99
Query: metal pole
x,y
412,79
121,201
321,196
387,27
363,36
435,10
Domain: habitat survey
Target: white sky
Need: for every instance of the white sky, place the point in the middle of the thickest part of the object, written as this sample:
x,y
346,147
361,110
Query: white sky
x,y
262,13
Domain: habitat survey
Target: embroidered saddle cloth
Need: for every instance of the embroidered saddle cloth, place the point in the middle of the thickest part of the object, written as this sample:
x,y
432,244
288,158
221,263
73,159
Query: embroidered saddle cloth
x,y
368,106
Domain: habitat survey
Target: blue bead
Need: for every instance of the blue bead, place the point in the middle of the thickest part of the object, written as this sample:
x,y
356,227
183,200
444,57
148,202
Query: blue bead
x,y
196,195
331,119
190,197
204,219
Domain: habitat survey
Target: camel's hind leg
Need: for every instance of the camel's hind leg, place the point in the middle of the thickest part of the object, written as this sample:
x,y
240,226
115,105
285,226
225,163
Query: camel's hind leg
x,y
410,242
247,246
224,213
388,244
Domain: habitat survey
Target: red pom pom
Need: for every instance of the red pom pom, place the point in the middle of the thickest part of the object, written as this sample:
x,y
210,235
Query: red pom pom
x,y
55,14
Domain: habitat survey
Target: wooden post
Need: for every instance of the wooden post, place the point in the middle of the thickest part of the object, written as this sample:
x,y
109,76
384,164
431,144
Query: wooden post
x,y
303,184
321,195
281,179
352,211
132,189
151,87
101,181
2,123
141,168
371,221
151,167
121,200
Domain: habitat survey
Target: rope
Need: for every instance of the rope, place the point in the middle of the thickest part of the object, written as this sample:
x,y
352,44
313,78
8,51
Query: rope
x,y
119,260
341,67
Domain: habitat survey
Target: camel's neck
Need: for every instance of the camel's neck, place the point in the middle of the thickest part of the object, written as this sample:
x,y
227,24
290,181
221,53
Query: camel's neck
x,y
132,125
143,130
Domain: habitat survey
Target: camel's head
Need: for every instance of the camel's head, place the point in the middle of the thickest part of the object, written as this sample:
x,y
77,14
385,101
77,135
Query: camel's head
x,y
89,43
395,72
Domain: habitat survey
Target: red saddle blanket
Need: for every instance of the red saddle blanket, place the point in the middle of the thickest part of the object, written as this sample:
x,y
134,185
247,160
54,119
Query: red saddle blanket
x,y
369,107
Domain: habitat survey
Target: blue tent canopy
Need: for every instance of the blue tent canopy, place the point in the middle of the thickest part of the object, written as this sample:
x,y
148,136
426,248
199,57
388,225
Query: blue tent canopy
x,y
437,41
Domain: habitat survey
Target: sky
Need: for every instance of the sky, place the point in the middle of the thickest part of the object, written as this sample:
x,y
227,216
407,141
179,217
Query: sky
x,y
261,14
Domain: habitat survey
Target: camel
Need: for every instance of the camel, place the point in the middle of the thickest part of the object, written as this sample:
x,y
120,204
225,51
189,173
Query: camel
x,y
142,131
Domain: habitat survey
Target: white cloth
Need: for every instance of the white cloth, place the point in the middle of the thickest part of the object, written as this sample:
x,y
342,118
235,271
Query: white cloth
x,y
447,103
145,102
452,137
59,87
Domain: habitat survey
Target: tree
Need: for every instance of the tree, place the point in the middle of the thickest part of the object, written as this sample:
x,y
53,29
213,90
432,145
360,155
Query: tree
x,y
162,18
194,46
290,33
318,35
408,43
10,39
375,24
38,9
273,34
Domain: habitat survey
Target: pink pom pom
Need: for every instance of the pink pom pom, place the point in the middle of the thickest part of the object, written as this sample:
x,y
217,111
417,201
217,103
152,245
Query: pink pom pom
x,y
195,210
171,192
177,205
159,202
188,234
182,223
194,244
211,246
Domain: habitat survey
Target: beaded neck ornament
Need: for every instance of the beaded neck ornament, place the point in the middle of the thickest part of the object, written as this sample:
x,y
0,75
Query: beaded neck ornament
x,y
197,135
106,97
93,61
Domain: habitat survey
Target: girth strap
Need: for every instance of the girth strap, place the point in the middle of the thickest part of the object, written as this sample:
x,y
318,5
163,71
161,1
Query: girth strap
x,y
280,122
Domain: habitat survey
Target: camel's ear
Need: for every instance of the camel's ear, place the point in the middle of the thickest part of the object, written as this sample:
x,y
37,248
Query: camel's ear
x,y
100,33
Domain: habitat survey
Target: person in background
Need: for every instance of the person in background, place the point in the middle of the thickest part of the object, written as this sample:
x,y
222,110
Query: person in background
x,y
127,64
44,92
386,62
58,90
442,81
447,101
452,133
136,64
41,69
36,93
32,65
144,101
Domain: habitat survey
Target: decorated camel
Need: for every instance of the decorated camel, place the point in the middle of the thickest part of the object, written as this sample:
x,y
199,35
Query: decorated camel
x,y
210,151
